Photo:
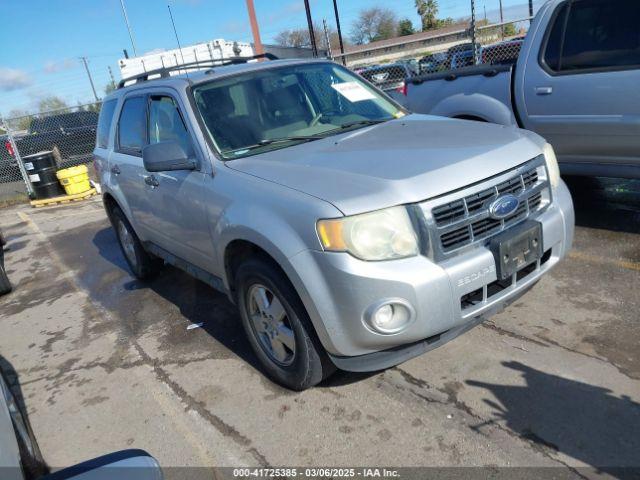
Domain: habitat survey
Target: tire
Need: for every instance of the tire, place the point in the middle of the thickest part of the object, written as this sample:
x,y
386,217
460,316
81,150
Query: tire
x,y
141,263
33,463
5,284
300,362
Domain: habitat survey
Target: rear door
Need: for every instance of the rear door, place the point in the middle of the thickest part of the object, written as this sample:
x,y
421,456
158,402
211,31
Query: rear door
x,y
581,92
126,168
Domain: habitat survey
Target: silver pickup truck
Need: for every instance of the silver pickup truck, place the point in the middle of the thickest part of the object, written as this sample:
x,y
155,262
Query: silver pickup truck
x,y
575,83
349,233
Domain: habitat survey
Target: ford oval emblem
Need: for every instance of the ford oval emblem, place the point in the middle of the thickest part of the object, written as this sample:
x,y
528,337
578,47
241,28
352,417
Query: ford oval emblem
x,y
504,206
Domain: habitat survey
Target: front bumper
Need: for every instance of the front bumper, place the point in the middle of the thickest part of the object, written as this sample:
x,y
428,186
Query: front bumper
x,y
343,288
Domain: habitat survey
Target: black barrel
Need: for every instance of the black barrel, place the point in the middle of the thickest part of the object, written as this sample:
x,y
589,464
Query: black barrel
x,y
41,168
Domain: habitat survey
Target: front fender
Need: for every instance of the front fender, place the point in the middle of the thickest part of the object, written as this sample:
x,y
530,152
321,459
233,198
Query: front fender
x,y
282,242
475,105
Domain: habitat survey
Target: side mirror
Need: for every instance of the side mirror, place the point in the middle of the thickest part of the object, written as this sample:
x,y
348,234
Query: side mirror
x,y
165,157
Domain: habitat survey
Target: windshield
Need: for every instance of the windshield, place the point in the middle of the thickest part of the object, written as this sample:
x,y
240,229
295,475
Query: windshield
x,y
267,109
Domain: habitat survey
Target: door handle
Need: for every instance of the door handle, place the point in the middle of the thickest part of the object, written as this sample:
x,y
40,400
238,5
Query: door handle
x,y
544,90
116,170
152,181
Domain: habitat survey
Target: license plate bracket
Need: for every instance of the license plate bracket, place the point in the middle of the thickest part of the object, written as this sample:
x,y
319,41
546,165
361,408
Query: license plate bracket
x,y
516,248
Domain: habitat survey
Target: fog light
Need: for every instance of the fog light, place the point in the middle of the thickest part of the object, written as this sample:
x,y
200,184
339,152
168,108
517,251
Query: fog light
x,y
389,316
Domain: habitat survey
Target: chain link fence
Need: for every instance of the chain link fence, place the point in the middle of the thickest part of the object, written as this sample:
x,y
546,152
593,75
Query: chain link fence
x,y
69,133
391,64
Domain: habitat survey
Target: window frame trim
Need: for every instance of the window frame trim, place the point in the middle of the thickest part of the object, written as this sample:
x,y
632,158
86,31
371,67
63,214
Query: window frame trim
x,y
564,73
145,141
109,127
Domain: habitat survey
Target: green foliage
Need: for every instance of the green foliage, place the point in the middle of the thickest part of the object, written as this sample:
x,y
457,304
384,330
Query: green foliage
x,y
405,27
428,12
510,30
51,103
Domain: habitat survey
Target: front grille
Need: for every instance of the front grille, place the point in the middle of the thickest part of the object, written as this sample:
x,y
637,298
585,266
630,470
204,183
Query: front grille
x,y
466,219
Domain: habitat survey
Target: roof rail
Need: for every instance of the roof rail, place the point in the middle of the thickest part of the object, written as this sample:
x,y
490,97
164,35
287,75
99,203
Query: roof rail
x,y
166,71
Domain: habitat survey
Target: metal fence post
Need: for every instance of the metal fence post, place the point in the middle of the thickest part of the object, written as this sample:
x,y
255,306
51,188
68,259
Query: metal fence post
x,y
473,32
16,155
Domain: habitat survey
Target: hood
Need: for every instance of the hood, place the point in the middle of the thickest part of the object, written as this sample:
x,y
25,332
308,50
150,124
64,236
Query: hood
x,y
398,162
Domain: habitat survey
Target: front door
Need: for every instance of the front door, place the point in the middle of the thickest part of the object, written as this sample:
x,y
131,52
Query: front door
x,y
581,94
177,198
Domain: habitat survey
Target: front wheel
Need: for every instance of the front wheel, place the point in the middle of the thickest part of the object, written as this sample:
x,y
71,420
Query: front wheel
x,y
278,327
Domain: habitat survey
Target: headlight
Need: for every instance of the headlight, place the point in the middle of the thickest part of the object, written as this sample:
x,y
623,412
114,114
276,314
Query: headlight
x,y
382,235
552,165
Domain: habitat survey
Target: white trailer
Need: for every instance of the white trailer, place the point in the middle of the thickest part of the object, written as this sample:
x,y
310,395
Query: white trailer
x,y
201,52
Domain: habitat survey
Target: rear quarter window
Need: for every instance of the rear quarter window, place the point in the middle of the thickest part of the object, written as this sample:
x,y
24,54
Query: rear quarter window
x,y
104,123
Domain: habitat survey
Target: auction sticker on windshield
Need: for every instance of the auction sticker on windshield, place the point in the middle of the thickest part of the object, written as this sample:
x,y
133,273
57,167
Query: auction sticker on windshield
x,y
353,91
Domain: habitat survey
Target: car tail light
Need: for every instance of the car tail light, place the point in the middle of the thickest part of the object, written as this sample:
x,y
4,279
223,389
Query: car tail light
x,y
9,148
402,89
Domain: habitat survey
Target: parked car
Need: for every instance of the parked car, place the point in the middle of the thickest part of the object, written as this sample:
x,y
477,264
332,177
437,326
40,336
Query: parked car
x,y
20,457
73,134
5,284
348,232
574,83
503,53
390,78
465,58
434,62
412,64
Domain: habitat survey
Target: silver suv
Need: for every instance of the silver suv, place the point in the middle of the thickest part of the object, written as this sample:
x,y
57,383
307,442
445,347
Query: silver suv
x,y
349,233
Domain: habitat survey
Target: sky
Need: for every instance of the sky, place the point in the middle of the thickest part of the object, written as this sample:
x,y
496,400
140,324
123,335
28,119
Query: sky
x,y
43,40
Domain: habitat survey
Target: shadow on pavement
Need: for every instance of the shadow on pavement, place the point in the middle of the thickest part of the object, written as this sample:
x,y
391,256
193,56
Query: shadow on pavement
x,y
197,302
585,422
606,203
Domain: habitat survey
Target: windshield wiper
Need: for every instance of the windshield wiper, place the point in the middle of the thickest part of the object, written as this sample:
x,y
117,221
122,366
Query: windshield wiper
x,y
271,141
363,122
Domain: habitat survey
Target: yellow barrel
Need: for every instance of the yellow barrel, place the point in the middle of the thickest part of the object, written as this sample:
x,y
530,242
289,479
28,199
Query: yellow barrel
x,y
74,179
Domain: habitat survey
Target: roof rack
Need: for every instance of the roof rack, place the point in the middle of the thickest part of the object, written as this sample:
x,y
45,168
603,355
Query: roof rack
x,y
165,72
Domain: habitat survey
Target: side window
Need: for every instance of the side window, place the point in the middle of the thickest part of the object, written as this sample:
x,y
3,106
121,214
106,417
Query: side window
x,y
104,122
593,35
166,124
602,34
132,125
554,42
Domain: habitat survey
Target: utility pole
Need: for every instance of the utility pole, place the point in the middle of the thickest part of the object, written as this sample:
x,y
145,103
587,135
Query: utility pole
x,y
86,67
113,80
473,32
257,42
335,10
126,20
312,35
327,40
501,21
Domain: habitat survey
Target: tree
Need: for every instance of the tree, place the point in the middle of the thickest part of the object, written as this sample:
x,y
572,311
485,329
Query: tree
x,y
299,37
109,87
19,119
428,11
510,30
405,27
374,24
51,103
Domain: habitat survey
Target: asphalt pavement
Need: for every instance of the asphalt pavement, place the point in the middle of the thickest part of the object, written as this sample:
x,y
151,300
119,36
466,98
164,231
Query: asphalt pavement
x,y
105,362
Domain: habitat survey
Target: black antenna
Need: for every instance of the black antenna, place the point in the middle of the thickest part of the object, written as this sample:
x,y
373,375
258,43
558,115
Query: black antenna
x,y
177,39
